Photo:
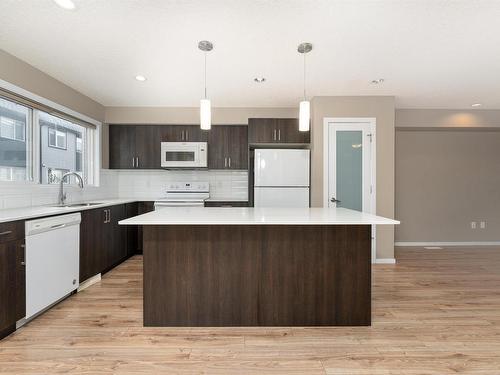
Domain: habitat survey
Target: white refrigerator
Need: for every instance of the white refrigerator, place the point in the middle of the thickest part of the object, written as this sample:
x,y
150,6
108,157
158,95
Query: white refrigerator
x,y
281,178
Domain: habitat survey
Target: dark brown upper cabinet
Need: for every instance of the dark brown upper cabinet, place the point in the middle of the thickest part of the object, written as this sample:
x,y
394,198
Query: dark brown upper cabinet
x,y
228,147
183,133
274,130
139,146
134,146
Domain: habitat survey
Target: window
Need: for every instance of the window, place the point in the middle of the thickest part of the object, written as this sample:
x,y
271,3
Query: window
x,y
40,147
15,148
57,138
62,148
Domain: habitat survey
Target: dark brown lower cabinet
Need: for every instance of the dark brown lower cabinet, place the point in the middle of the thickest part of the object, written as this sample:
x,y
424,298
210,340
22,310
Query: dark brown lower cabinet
x,y
132,209
12,280
103,242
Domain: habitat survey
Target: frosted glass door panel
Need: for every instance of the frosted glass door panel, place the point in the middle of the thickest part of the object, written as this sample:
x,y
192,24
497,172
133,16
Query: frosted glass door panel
x,y
350,169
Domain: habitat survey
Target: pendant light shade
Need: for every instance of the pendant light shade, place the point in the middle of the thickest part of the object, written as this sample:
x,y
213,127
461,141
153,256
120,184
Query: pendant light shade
x,y
205,105
205,114
305,105
304,115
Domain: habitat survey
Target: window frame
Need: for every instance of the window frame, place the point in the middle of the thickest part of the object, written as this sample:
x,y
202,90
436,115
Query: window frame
x,y
91,159
56,131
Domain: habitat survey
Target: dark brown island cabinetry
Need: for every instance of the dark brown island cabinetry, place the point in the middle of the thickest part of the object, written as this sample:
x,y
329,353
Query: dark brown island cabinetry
x,y
228,147
103,242
276,130
12,276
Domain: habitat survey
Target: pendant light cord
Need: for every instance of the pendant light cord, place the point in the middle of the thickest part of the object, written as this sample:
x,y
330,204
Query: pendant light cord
x,y
304,76
205,74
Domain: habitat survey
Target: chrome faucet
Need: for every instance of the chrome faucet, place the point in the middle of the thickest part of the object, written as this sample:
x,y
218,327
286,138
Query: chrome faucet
x,y
62,194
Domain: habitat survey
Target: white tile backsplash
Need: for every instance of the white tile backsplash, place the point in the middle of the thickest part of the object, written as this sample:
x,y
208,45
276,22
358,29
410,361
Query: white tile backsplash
x,y
141,184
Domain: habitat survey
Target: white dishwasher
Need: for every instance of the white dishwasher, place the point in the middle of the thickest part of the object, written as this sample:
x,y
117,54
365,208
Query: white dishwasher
x,y
52,260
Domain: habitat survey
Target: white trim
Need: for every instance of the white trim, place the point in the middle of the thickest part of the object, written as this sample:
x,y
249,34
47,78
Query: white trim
x,y
372,123
470,243
385,261
93,280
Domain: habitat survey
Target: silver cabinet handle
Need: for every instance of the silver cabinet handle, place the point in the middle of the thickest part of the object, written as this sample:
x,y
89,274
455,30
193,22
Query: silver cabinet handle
x,y
274,135
229,162
133,162
6,233
137,162
279,134
109,216
225,162
106,216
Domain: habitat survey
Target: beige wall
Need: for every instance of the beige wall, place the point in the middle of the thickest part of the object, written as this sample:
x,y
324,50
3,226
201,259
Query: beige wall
x,y
23,75
382,108
190,115
432,118
444,180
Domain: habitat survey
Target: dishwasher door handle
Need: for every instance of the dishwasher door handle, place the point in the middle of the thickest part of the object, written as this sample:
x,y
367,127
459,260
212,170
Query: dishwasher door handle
x,y
57,226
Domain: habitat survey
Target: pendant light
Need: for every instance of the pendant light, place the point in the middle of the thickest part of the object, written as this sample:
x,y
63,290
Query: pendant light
x,y
305,105
205,106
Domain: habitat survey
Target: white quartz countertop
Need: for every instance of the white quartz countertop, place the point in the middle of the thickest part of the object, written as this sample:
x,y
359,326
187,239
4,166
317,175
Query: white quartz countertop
x,y
256,216
41,211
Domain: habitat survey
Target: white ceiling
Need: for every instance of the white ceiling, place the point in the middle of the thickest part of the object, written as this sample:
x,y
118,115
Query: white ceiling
x,y
432,53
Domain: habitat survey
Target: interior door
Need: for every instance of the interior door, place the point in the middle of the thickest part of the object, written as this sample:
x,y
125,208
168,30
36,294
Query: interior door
x,y
351,167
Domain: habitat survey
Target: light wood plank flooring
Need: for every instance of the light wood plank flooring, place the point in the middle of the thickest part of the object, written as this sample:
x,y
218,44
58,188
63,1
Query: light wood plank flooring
x,y
435,312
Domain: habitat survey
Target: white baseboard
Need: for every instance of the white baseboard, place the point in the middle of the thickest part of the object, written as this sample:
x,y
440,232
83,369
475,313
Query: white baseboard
x,y
385,261
89,282
471,243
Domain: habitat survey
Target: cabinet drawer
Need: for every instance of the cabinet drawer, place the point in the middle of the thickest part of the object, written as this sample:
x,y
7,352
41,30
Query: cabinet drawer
x,y
11,231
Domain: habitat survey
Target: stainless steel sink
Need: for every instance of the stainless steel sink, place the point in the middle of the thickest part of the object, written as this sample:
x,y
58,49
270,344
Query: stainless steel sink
x,y
71,205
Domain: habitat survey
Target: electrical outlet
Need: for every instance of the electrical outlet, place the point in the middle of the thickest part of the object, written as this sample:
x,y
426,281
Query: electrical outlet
x,y
473,225
482,224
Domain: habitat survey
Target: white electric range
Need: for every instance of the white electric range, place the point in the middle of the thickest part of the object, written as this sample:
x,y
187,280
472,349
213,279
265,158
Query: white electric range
x,y
184,194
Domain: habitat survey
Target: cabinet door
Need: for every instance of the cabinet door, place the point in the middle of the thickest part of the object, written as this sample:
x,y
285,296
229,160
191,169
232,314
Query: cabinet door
x,y
288,131
217,141
117,235
262,130
236,146
172,133
121,146
8,269
20,280
93,243
147,146
193,133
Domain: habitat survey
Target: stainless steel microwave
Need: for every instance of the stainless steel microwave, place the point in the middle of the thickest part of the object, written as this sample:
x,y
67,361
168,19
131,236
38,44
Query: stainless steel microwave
x,y
184,154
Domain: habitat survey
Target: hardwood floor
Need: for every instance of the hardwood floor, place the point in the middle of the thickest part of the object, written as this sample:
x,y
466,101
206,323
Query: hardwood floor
x,y
435,312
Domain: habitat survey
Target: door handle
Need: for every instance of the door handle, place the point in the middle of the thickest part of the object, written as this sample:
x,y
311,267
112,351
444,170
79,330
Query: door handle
x,y
229,162
137,162
133,162
274,135
333,200
279,134
6,233
225,162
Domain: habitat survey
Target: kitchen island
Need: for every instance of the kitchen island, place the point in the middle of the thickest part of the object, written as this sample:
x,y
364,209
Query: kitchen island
x,y
257,266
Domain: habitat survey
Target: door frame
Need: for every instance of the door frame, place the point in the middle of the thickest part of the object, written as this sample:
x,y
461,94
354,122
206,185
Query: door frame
x,y
372,123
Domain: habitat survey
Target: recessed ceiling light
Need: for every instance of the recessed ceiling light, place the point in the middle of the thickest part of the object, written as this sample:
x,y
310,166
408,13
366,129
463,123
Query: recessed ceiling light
x,y
259,79
140,78
377,81
66,4
476,105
